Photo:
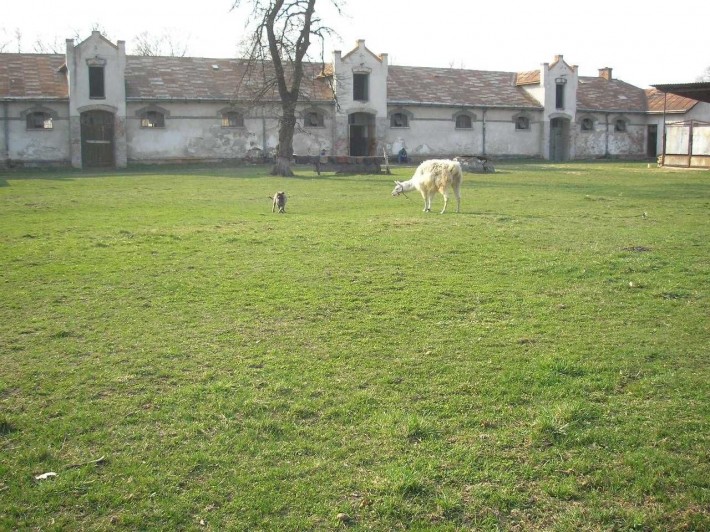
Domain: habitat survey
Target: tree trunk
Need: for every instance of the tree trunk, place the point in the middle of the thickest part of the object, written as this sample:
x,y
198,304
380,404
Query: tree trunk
x,y
286,129
282,167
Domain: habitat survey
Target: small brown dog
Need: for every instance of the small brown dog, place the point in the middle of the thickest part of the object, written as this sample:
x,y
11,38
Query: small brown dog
x,y
279,202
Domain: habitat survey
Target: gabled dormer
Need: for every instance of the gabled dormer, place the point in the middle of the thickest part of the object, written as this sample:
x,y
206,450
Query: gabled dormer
x,y
361,81
558,82
96,71
97,102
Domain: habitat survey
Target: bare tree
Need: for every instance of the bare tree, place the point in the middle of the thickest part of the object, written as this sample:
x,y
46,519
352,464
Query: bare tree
x,y
705,76
148,44
277,49
8,41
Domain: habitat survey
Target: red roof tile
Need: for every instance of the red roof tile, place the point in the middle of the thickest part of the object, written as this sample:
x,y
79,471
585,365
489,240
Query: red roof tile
x,y
33,76
599,94
527,78
192,78
451,86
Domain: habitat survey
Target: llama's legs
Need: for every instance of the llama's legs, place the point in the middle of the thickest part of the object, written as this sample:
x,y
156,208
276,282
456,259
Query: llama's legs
x,y
446,200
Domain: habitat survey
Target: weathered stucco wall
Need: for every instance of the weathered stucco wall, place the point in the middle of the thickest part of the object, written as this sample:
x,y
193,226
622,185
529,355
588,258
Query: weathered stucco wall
x,y
194,131
35,146
432,132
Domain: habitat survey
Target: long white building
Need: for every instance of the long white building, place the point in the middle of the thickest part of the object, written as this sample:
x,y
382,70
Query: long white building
x,y
96,106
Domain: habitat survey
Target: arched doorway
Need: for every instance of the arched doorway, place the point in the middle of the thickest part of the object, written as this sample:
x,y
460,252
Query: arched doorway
x,y
362,134
559,135
97,139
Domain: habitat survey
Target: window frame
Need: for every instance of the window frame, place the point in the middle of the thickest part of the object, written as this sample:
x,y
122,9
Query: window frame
x,y
361,86
31,122
401,114
466,118
559,95
227,121
157,124
522,123
621,125
584,121
319,121
97,82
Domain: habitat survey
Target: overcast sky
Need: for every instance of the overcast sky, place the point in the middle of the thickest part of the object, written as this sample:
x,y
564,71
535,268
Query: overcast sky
x,y
645,41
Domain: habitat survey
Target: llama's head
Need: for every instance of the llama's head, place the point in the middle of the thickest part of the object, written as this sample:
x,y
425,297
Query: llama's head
x,y
398,189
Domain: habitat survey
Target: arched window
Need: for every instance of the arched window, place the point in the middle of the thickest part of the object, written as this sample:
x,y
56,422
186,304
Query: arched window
x,y
464,122
39,120
587,124
232,119
151,119
399,120
522,123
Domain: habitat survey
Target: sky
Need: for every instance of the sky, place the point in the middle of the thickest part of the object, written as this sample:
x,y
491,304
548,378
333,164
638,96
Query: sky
x,y
645,42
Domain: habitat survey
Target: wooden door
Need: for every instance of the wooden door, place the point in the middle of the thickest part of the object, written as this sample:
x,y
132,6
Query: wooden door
x,y
97,142
558,145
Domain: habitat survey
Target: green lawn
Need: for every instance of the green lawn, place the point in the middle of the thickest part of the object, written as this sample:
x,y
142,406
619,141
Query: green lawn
x,y
182,358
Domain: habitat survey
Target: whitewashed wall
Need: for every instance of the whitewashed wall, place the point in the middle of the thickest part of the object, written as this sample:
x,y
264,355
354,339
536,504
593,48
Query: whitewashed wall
x,y
36,146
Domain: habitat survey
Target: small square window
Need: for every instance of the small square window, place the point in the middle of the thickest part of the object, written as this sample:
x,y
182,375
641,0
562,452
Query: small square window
x,y
587,124
620,126
313,119
522,123
463,122
153,119
232,119
399,120
39,120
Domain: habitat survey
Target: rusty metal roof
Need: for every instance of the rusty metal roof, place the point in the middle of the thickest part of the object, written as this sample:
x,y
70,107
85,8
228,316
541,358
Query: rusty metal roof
x,y
671,103
697,91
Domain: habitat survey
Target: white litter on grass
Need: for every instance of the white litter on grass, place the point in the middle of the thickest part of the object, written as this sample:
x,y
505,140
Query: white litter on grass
x,y
45,476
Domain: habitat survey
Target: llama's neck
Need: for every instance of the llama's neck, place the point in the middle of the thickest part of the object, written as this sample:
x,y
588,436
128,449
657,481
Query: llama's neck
x,y
408,186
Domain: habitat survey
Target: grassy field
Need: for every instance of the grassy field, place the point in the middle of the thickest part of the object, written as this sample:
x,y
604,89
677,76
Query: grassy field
x,y
182,358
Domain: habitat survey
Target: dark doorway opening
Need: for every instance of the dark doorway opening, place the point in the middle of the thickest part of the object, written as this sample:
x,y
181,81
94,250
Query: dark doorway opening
x,y
362,134
559,132
652,141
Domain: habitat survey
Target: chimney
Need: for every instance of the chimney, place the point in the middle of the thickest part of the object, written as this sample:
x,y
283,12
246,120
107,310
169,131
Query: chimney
x,y
605,73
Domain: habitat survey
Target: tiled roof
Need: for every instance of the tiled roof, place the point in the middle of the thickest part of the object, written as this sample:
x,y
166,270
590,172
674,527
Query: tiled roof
x,y
36,76
599,94
452,86
192,78
673,104
527,78
41,76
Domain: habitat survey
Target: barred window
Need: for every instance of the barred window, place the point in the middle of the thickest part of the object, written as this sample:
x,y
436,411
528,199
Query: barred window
x,y
463,122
